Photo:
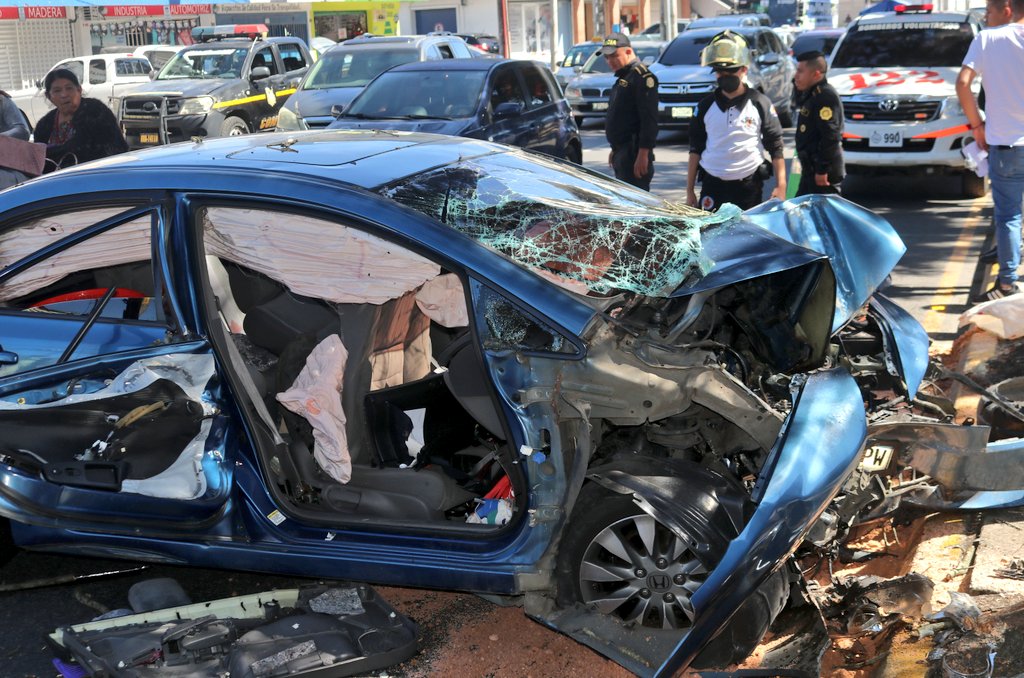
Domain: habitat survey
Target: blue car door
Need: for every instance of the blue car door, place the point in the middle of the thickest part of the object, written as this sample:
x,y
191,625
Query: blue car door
x,y
542,117
505,108
110,404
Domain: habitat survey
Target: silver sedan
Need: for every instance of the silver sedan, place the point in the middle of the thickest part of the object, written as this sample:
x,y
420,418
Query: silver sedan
x,y
588,92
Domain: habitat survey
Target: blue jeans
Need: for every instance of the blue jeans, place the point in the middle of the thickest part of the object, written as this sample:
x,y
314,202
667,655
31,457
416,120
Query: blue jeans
x,y
1006,171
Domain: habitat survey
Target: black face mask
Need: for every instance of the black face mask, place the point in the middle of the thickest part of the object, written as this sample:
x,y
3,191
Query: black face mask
x,y
729,83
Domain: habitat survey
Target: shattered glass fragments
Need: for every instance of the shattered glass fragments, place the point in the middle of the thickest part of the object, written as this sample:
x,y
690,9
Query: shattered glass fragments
x,y
509,328
575,225
270,666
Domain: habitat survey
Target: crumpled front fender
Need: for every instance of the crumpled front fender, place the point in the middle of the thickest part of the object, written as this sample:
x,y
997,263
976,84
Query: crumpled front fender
x,y
817,449
905,341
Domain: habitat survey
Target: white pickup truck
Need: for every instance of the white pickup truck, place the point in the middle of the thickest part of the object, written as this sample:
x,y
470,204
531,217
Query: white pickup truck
x,y
103,76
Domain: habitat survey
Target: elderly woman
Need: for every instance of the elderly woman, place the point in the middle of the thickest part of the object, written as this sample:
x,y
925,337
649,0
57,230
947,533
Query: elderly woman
x,y
80,129
12,124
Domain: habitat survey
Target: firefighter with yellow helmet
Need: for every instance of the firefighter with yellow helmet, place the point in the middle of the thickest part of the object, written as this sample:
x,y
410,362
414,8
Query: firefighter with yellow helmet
x,y
733,130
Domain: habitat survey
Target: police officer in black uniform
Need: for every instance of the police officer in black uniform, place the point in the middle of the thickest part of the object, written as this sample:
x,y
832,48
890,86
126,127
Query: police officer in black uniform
x,y
631,125
819,127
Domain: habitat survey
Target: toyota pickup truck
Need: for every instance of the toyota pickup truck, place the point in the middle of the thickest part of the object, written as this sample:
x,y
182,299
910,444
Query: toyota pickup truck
x,y
103,77
896,74
233,81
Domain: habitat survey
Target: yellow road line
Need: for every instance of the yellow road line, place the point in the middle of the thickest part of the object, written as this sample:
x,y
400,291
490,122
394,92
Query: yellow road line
x,y
951,275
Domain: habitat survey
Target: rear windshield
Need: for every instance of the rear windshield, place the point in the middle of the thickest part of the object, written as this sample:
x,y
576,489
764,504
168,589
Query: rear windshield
x,y
405,95
355,68
685,50
808,42
899,43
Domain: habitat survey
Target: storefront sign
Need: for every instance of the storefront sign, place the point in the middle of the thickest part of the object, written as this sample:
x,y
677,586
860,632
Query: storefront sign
x,y
191,9
118,11
34,13
255,7
46,13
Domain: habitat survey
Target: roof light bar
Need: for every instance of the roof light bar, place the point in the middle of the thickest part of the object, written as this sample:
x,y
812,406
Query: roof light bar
x,y
224,31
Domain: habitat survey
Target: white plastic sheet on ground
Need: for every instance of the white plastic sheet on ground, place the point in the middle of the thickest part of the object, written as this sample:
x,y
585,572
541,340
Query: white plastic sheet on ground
x,y
1003,318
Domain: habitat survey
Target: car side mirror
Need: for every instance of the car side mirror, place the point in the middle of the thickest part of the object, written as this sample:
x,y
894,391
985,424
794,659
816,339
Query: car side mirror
x,y
508,109
577,69
259,73
337,110
152,75
768,59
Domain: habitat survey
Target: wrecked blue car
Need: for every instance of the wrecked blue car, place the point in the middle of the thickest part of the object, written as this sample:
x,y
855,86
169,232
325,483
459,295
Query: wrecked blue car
x,y
428,361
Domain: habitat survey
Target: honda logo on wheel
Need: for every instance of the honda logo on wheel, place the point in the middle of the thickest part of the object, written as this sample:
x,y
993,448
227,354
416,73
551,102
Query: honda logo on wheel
x,y
888,105
659,582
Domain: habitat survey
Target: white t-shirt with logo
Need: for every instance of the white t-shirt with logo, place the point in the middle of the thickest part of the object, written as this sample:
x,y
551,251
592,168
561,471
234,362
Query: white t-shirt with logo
x,y
997,54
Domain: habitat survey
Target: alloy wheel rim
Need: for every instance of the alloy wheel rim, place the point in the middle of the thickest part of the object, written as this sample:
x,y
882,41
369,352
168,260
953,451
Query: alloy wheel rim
x,y
642,572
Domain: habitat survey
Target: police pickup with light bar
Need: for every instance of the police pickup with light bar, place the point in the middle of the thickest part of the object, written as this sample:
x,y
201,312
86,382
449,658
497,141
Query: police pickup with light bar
x,y
233,81
896,74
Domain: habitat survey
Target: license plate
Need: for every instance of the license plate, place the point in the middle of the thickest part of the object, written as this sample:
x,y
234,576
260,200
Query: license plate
x,y
601,107
149,138
682,111
886,139
876,458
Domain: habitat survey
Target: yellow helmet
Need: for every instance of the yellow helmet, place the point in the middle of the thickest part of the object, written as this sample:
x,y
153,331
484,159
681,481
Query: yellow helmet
x,y
726,50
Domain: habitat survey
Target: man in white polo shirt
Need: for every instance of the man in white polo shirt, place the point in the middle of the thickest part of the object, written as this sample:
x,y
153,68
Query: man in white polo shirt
x,y
732,129
997,54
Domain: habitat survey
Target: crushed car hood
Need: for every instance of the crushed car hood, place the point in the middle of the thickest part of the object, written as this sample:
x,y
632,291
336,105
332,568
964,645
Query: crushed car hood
x,y
861,246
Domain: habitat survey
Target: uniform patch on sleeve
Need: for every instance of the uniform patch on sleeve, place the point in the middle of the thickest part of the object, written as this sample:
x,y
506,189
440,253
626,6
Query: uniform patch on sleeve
x,y
707,203
825,113
650,81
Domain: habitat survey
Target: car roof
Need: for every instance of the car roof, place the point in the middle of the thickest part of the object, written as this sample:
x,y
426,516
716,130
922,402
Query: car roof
x,y
238,43
745,31
914,17
455,65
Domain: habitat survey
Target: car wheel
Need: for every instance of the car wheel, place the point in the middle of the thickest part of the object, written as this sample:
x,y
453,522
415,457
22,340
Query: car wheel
x,y
620,560
233,126
972,185
573,153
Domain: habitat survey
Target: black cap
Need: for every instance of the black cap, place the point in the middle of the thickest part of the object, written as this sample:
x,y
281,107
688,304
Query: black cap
x,y
807,56
614,41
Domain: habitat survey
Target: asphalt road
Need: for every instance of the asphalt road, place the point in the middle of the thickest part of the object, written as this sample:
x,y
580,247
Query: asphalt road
x,y
943,235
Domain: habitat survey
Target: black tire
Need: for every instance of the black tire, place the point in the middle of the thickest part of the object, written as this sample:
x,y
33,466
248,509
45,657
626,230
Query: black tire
x,y
7,547
573,153
618,522
972,185
233,126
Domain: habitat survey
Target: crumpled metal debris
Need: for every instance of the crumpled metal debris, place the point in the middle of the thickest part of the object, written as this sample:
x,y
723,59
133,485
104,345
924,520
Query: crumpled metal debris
x,y
866,605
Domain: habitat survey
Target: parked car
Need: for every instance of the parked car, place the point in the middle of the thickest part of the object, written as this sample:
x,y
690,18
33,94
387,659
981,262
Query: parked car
x,y
103,76
729,21
510,102
653,32
588,92
422,360
573,61
232,81
817,40
484,42
896,74
343,71
683,82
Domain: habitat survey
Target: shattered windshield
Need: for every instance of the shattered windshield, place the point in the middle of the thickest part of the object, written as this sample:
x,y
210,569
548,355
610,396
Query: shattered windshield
x,y
593,235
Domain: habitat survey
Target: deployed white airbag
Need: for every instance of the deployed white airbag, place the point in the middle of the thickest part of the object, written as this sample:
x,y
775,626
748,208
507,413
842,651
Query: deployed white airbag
x,y
313,257
316,396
